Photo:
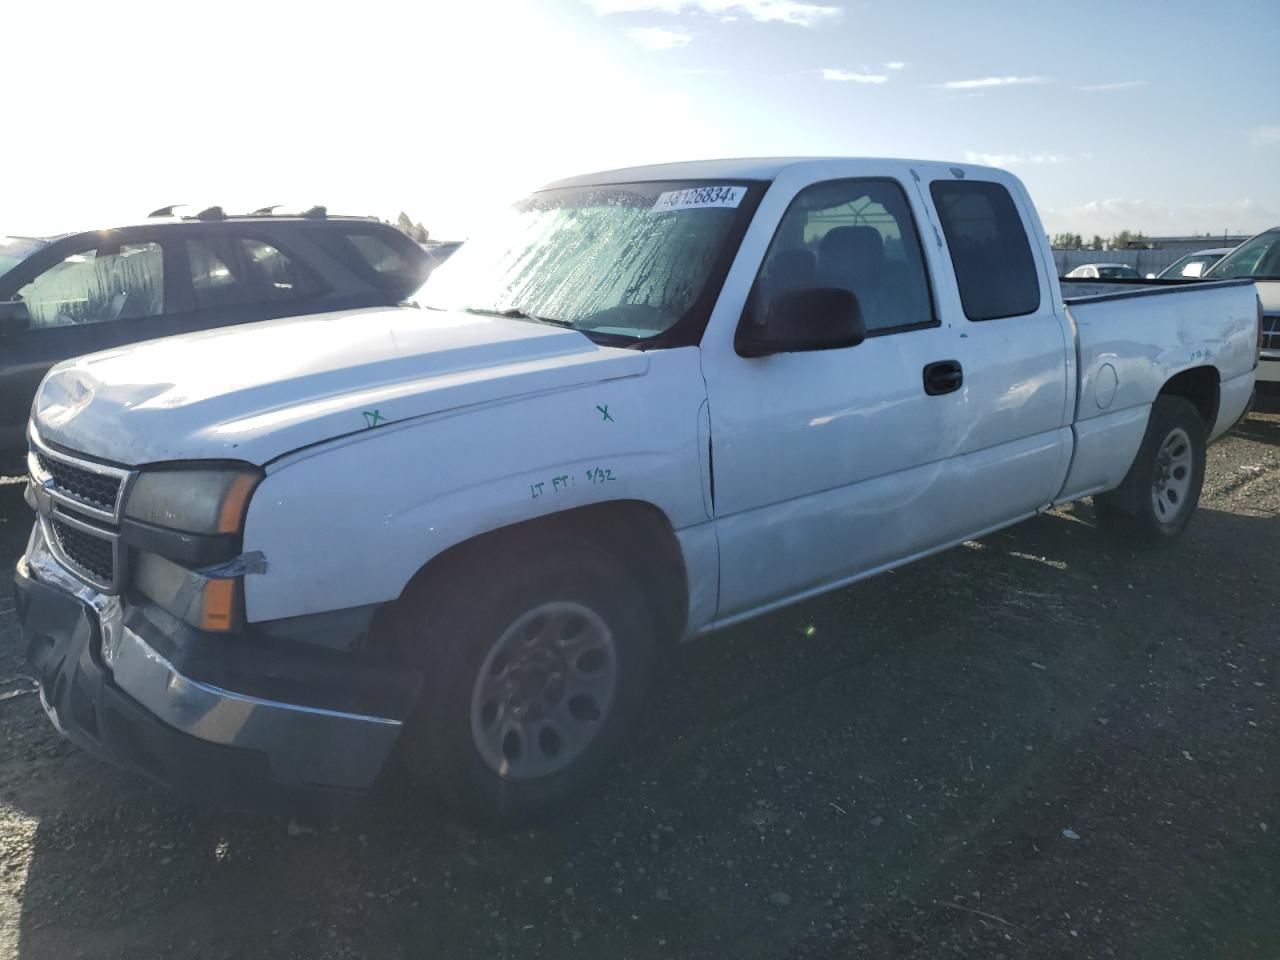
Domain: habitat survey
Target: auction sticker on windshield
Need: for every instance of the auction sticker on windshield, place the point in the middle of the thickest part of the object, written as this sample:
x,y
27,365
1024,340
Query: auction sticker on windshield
x,y
696,197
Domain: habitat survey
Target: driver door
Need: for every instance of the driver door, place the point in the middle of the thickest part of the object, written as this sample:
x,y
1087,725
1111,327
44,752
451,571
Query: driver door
x,y
828,463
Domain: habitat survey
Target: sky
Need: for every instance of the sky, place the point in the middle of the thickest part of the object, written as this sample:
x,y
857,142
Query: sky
x,y
1155,116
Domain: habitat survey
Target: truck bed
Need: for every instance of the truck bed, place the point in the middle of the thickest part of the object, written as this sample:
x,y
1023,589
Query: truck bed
x,y
1074,289
1134,337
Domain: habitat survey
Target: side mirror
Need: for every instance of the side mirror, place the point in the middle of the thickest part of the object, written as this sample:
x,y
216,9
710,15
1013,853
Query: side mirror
x,y
817,318
14,317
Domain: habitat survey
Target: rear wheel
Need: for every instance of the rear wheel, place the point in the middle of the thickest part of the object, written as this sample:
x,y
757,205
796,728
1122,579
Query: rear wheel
x,y
1158,495
535,666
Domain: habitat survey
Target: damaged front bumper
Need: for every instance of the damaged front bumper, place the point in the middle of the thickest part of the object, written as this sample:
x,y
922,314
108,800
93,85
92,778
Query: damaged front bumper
x,y
116,695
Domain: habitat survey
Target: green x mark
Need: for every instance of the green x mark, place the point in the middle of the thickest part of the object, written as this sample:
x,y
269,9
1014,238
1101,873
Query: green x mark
x,y
372,417
604,413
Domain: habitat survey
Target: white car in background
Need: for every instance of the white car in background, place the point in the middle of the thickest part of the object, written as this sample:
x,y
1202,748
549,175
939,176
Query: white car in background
x,y
1104,271
1192,266
1258,259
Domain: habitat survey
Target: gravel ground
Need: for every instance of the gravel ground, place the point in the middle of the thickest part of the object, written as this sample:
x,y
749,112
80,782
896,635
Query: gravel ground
x,y
1041,744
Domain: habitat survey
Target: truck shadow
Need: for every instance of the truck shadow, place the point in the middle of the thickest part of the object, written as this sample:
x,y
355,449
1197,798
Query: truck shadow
x,y
770,746
1262,429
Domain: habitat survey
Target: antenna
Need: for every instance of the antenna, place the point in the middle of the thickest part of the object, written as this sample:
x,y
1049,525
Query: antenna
x,y
211,213
316,213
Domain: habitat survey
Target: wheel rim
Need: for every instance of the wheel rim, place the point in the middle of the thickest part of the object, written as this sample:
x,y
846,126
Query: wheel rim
x,y
1171,485
544,691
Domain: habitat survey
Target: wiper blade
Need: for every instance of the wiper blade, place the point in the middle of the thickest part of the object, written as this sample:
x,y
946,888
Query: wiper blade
x,y
516,313
596,336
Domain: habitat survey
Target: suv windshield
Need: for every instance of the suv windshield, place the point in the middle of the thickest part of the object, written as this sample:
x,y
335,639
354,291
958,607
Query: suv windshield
x,y
1258,258
13,250
625,262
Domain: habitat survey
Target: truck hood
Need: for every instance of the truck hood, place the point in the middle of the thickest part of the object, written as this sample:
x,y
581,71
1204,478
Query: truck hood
x,y
258,391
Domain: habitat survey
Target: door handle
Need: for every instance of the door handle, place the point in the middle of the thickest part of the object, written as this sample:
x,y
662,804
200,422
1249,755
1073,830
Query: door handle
x,y
943,376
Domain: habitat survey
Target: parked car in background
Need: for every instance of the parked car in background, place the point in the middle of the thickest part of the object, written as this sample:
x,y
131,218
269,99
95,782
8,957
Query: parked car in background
x,y
1104,271
1258,259
1192,266
652,403
67,295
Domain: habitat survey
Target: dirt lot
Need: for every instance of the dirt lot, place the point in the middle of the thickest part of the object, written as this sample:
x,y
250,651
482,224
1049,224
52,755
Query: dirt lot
x,y
1042,744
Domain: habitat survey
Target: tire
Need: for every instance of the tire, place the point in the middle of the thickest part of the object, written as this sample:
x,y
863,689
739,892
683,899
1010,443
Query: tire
x,y
470,630
1155,501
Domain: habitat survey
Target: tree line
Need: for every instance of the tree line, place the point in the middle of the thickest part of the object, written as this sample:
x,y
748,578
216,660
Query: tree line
x,y
1074,241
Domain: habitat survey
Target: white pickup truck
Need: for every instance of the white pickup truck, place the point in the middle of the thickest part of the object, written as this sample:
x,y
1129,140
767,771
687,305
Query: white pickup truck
x,y
650,403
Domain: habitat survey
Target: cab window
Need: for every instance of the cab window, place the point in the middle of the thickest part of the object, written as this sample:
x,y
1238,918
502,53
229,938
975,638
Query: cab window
x,y
858,235
994,266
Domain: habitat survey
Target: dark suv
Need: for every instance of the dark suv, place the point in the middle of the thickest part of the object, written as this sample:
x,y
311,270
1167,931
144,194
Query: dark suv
x,y
78,293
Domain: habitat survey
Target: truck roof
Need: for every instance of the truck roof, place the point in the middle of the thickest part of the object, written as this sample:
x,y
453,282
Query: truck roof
x,y
739,168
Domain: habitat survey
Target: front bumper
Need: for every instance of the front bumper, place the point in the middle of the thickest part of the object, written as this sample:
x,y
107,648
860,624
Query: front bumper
x,y
1269,367
115,695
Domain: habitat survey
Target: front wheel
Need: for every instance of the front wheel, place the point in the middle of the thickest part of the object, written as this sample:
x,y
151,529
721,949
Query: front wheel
x,y
1158,495
536,663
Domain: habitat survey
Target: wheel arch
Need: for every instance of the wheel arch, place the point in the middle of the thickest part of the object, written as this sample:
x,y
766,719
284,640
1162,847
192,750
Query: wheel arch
x,y
652,552
1201,386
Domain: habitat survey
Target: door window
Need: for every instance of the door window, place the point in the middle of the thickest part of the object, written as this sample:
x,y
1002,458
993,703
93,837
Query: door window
x,y
116,282
383,261
231,271
995,269
854,234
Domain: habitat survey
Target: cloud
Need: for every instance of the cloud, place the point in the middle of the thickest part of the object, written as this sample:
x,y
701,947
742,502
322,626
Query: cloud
x,y
1264,136
894,65
1161,217
848,76
796,12
1122,85
992,82
656,38
1013,159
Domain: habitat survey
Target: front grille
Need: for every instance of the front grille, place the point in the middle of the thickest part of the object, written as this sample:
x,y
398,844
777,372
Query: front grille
x,y
93,555
84,486
1271,332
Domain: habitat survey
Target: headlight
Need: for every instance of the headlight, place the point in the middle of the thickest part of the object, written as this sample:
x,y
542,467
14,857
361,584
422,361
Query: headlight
x,y
193,500
182,520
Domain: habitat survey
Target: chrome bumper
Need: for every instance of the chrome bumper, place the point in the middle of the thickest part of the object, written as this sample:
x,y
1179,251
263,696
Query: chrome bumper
x,y
305,746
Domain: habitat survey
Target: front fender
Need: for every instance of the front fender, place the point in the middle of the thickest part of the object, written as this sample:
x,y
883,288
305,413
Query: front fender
x,y
349,523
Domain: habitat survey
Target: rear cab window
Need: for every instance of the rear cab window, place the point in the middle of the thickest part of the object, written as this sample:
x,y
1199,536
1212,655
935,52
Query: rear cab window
x,y
995,268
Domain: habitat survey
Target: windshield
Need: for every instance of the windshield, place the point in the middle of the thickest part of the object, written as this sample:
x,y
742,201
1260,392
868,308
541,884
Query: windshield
x,y
13,250
1192,265
1258,258
625,262
1117,273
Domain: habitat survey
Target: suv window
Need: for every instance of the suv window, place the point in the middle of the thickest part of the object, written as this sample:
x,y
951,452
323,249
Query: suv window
x,y
855,234
229,271
383,261
994,265
110,282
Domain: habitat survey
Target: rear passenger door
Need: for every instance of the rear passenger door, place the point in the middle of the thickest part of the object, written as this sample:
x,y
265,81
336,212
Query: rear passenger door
x,y
1017,353
240,277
